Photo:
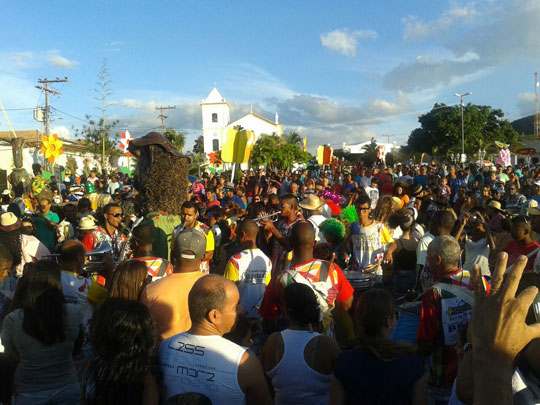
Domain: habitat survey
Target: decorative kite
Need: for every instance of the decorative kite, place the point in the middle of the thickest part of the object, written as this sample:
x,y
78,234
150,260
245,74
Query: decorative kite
x,y
124,142
52,147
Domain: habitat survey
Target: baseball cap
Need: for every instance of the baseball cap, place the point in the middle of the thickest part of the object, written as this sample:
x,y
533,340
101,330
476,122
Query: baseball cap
x,y
190,244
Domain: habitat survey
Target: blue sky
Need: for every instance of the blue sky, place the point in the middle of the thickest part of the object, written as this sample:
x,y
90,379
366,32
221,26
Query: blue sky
x,y
336,72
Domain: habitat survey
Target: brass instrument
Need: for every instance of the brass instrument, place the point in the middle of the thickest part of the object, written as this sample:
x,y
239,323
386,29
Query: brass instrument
x,y
268,216
94,258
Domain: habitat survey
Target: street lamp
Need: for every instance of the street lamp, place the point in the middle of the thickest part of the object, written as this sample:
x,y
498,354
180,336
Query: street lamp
x,y
462,126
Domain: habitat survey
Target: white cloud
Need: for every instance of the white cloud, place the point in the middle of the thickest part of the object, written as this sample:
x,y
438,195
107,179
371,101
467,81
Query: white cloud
x,y
526,104
503,36
22,59
61,131
345,42
416,30
54,58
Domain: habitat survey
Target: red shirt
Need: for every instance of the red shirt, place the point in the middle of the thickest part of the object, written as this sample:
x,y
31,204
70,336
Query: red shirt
x,y
515,249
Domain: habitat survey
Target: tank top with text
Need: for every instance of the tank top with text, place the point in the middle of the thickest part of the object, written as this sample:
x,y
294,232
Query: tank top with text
x,y
203,364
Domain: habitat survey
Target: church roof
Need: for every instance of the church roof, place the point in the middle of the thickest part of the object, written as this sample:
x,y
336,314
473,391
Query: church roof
x,y
214,97
256,116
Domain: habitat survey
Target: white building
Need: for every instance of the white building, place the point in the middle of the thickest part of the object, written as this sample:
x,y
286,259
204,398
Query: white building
x,y
358,148
216,119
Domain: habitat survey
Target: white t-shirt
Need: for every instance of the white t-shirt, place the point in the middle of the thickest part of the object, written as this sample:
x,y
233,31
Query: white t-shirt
x,y
204,364
317,220
421,249
477,253
32,251
251,269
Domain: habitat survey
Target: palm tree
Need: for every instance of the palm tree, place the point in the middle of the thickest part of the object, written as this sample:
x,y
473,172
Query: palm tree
x,y
292,138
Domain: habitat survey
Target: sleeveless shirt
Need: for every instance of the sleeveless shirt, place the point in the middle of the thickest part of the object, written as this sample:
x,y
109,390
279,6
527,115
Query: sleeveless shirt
x,y
294,381
204,364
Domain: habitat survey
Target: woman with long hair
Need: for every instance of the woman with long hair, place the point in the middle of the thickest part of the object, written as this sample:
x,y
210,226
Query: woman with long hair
x,y
384,209
128,280
124,339
399,191
41,334
378,370
298,361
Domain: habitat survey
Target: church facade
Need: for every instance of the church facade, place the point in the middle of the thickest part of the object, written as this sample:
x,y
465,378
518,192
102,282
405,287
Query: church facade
x,y
216,119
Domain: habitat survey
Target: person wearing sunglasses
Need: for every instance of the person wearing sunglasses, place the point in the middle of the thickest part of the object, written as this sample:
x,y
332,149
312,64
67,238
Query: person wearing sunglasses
x,y
109,230
514,199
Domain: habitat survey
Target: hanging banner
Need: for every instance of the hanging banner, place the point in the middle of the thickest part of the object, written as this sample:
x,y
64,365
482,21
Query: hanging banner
x,y
237,145
124,142
304,144
324,154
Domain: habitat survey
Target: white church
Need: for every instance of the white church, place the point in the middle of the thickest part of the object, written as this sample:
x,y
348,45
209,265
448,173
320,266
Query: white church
x,y
216,119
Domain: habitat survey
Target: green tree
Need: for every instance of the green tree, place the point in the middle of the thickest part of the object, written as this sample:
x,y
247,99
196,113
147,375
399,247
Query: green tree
x,y
101,147
276,153
198,147
178,139
292,138
369,156
440,129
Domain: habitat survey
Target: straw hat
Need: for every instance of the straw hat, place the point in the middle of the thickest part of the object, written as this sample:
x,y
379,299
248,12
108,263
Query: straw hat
x,y
87,223
495,205
9,222
311,203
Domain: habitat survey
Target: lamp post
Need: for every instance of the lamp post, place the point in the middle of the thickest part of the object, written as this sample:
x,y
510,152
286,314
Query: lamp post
x,y
462,126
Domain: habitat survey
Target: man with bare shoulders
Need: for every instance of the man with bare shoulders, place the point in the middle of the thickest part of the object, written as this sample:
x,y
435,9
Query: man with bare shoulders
x,y
201,360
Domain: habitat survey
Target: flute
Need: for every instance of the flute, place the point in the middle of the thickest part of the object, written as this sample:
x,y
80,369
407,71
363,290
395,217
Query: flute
x,y
267,216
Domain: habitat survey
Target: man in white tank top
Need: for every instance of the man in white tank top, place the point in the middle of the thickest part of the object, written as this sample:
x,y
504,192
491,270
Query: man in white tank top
x,y
201,360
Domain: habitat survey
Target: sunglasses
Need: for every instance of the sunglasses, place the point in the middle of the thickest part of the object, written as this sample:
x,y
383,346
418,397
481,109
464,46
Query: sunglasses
x,y
364,209
117,215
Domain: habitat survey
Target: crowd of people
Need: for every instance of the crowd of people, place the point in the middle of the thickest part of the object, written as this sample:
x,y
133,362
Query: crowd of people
x,y
279,287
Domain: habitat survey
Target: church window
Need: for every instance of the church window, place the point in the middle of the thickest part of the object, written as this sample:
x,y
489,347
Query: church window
x,y
214,117
215,145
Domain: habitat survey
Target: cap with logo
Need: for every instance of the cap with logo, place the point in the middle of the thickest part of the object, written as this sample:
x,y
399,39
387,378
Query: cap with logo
x,y
190,244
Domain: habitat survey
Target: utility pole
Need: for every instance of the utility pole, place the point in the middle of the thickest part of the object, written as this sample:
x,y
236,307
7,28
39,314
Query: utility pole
x,y
537,112
388,138
48,91
162,116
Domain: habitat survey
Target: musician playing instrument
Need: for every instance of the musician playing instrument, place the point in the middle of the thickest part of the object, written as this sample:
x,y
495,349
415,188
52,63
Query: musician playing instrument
x,y
109,231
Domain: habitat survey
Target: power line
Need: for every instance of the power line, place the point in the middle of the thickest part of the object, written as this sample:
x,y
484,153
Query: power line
x,y
48,91
163,117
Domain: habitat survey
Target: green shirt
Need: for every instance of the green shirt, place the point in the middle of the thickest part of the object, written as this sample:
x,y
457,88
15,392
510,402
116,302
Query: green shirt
x,y
45,233
163,231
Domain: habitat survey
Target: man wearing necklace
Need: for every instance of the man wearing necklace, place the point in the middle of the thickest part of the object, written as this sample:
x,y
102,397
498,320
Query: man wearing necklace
x,y
109,231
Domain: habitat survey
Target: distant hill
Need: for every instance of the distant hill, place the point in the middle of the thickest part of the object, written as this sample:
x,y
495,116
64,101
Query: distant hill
x,y
524,125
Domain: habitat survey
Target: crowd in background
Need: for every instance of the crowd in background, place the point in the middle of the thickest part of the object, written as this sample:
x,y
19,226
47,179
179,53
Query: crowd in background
x,y
281,287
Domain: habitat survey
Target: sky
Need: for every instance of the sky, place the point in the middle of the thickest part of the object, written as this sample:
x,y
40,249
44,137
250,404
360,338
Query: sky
x,y
335,72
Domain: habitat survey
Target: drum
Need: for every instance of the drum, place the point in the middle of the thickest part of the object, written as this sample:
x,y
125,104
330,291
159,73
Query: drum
x,y
407,324
360,281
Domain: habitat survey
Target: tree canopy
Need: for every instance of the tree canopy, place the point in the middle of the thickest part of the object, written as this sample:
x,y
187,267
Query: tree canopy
x,y
97,139
178,139
440,129
198,147
275,152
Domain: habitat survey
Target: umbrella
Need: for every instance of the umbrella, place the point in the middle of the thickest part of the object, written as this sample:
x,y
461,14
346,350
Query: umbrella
x,y
192,179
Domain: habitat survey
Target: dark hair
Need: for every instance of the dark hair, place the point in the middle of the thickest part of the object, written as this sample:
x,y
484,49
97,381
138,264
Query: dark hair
x,y
301,304
128,279
290,199
373,309
188,398
144,235
15,209
190,204
71,251
107,207
240,331
43,303
401,218
363,199
124,339
84,204
206,296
